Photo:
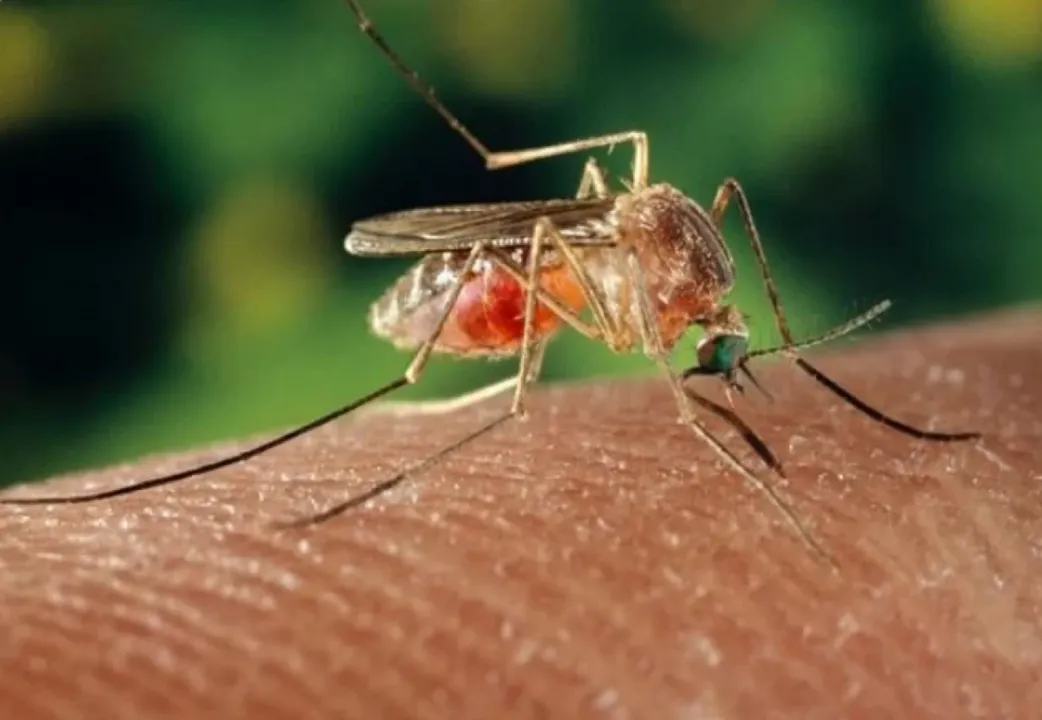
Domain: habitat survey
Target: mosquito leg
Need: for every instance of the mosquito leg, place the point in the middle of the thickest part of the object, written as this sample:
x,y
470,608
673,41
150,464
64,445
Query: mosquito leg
x,y
603,328
419,361
748,434
531,358
519,380
653,348
596,331
639,139
393,482
449,405
526,375
593,182
530,365
544,297
409,377
496,160
380,488
731,188
528,371
598,307
592,179
535,255
460,402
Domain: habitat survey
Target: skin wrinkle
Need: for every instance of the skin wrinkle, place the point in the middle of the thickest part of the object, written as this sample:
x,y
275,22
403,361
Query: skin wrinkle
x,y
537,623
187,634
752,611
365,674
68,636
374,576
333,660
803,669
540,697
985,523
638,637
761,614
393,691
937,601
132,591
290,687
597,532
50,640
995,610
862,681
424,614
999,559
224,639
292,678
370,678
132,648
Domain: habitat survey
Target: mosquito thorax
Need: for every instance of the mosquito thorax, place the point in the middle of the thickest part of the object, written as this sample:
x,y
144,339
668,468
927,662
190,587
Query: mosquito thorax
x,y
687,266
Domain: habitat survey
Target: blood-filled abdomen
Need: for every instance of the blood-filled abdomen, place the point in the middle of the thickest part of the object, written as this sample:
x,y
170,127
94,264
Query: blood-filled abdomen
x,y
488,317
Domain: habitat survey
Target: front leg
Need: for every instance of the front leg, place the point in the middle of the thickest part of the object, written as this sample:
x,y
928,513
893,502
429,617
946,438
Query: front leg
x,y
732,188
653,347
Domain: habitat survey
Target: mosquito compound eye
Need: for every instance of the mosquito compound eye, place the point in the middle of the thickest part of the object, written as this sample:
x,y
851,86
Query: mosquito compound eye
x,y
722,353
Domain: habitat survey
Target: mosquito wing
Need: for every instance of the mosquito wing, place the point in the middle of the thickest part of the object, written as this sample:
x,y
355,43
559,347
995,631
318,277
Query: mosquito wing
x,y
505,225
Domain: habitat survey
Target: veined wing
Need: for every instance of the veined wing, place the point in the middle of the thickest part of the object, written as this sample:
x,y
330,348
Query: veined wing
x,y
458,227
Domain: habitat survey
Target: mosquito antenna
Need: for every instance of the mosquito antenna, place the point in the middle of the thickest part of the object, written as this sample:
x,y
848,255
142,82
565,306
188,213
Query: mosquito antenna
x,y
849,397
216,464
833,334
393,482
422,89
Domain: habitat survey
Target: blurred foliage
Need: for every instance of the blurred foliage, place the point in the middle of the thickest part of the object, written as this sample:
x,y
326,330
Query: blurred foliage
x,y
176,178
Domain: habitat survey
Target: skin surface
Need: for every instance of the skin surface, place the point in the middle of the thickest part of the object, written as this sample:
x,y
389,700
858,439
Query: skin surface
x,y
595,561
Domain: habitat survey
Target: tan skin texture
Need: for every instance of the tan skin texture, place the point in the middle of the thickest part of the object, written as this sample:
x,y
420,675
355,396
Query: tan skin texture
x,y
592,562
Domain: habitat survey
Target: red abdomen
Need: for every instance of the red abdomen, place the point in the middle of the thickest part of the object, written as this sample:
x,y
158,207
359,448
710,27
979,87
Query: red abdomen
x,y
488,317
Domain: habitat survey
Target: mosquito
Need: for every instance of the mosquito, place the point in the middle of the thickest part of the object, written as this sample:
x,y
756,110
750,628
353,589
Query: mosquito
x,y
633,269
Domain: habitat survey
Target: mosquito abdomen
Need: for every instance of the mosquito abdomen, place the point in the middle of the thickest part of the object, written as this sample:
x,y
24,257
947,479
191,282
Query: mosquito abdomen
x,y
488,317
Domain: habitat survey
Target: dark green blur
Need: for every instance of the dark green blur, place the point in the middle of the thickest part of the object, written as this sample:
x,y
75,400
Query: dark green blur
x,y
176,178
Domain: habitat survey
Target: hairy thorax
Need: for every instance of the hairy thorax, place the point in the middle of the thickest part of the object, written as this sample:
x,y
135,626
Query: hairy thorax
x,y
684,263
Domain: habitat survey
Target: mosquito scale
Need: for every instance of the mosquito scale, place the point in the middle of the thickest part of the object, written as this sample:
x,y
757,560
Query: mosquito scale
x,y
633,269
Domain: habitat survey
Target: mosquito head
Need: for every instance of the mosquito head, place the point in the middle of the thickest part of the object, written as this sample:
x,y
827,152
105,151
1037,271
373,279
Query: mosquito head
x,y
724,347
722,353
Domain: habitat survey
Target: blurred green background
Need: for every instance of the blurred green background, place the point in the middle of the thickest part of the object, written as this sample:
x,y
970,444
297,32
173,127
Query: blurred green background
x,y
176,178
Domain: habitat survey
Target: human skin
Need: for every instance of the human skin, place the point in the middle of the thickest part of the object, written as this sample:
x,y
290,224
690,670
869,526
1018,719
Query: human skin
x,y
594,561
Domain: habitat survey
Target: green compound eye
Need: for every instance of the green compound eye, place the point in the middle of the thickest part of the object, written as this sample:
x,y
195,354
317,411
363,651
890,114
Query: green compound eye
x,y
722,353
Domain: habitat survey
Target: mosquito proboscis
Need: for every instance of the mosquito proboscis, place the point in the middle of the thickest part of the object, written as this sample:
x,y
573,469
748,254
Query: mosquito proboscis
x,y
633,269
